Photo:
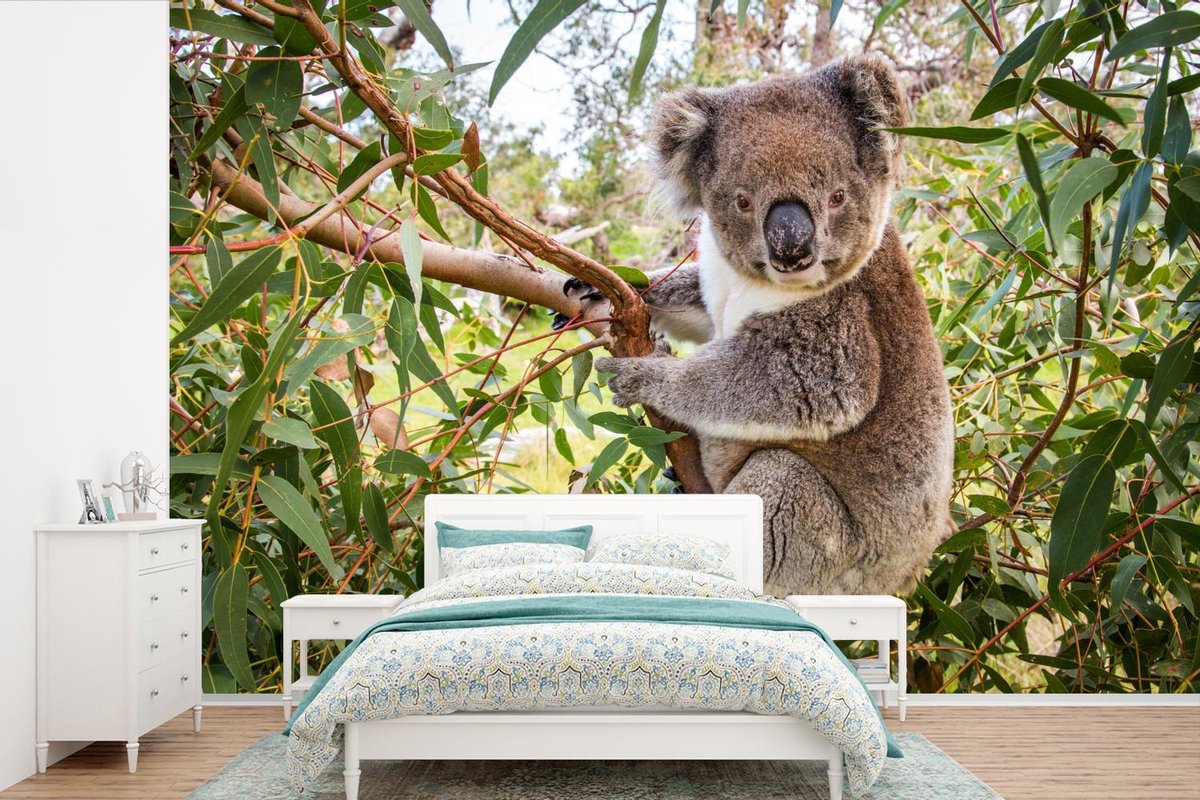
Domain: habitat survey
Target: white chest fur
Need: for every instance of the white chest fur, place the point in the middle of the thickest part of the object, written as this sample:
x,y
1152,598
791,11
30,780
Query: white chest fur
x,y
730,296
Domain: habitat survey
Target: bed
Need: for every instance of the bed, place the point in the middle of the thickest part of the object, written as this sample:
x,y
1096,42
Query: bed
x,y
676,664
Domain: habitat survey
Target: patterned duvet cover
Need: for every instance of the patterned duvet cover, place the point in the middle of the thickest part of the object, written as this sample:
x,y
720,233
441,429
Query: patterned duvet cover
x,y
548,636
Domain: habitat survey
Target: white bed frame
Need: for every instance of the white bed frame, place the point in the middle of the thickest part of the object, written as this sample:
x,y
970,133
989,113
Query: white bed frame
x,y
598,734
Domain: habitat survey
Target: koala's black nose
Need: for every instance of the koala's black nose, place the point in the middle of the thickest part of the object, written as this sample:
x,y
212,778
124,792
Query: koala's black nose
x,y
789,233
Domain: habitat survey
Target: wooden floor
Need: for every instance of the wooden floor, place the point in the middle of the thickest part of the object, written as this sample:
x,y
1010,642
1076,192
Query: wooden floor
x,y
1023,753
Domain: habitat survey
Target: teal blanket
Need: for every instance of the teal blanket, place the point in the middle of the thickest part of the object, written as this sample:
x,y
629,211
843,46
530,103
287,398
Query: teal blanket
x,y
533,610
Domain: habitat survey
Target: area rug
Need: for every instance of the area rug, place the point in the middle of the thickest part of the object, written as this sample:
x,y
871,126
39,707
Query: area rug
x,y
925,773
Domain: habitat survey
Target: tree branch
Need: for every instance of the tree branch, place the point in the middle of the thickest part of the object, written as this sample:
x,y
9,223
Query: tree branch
x,y
631,318
476,270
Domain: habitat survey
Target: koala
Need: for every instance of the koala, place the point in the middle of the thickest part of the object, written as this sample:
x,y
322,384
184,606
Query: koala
x,y
818,382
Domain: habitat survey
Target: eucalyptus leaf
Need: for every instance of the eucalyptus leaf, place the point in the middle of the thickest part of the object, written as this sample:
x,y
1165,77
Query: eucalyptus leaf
x,y
646,49
410,246
230,601
608,456
1078,522
1015,58
1123,578
1043,55
375,513
955,133
400,462
234,27
294,510
416,13
236,287
277,86
1000,97
292,431
545,16
334,425
1079,97
362,163
1086,178
1165,30
1172,368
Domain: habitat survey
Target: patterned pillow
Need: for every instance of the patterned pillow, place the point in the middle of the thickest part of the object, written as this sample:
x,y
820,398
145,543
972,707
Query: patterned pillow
x,y
462,549
658,550
461,559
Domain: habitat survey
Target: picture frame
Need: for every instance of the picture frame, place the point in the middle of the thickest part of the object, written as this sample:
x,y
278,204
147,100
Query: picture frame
x,y
111,502
93,513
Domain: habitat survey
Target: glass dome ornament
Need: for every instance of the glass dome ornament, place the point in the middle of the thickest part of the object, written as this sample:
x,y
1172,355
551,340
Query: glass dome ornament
x,y
136,482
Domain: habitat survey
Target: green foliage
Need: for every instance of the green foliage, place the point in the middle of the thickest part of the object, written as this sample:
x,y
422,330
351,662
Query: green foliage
x,y
327,393
1058,372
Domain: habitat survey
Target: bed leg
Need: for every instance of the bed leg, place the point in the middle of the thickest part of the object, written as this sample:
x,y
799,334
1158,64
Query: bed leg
x,y
352,772
836,773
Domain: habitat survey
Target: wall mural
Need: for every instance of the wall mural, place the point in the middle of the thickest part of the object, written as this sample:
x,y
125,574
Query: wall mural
x,y
946,325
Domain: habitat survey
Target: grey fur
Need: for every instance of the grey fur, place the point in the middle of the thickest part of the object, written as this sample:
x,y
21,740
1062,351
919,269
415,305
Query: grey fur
x,y
824,395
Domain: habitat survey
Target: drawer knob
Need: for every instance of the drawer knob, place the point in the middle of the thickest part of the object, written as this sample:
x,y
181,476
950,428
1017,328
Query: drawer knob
x,y
154,692
154,645
184,634
184,546
337,621
184,589
153,551
184,679
854,620
153,598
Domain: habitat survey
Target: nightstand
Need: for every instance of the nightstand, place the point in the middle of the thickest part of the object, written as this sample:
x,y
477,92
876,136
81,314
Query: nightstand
x,y
868,617
324,617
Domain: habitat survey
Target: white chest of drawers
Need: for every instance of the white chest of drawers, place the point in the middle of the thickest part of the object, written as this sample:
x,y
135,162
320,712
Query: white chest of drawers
x,y
118,631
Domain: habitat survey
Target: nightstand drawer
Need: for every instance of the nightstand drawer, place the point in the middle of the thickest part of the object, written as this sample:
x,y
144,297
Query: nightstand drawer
x,y
853,623
333,623
162,593
169,547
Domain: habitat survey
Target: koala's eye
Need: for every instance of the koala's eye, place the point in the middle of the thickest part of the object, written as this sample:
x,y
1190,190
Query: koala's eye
x,y
837,198
742,203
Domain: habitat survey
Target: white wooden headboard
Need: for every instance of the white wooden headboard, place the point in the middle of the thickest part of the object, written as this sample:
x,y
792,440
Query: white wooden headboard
x,y
735,519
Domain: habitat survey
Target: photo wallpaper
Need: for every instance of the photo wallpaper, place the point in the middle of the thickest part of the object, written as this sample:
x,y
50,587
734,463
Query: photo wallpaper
x,y
921,275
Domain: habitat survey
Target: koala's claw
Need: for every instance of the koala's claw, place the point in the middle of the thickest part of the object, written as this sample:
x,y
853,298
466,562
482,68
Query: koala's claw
x,y
582,291
575,287
559,322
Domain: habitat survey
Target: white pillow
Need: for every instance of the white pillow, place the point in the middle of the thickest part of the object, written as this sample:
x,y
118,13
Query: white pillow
x,y
663,550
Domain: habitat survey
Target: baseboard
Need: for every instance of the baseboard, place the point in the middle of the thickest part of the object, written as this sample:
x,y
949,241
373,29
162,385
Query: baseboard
x,y
1060,700
914,700
242,700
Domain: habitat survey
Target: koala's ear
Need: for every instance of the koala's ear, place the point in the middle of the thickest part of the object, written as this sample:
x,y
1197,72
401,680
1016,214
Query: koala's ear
x,y
877,101
681,128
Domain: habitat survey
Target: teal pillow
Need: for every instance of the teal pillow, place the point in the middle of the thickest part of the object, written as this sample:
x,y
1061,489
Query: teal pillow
x,y
454,536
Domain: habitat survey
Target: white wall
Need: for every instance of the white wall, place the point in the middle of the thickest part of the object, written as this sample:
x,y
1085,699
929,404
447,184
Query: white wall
x,y
83,256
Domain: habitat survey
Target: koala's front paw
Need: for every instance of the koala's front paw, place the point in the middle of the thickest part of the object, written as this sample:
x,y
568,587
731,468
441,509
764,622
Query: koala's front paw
x,y
592,304
630,382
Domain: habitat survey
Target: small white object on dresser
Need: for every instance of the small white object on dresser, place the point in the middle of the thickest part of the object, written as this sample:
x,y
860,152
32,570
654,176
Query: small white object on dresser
x,y
867,617
324,617
118,631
